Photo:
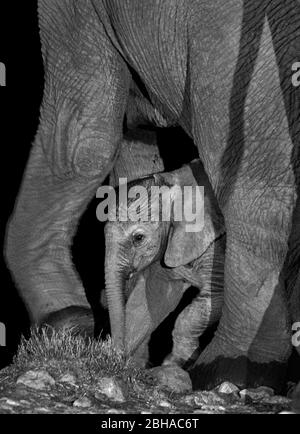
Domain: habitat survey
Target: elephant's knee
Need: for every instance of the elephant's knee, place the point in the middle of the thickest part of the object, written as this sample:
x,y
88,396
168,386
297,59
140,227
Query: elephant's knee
x,y
96,158
85,157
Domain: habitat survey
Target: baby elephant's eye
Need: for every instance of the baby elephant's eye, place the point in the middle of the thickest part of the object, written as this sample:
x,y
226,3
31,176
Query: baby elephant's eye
x,y
138,238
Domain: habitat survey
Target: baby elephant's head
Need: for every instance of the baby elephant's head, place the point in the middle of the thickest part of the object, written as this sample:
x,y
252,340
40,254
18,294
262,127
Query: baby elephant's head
x,y
134,240
151,220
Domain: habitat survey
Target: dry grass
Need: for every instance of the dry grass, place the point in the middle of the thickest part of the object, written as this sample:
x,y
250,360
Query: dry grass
x,y
89,359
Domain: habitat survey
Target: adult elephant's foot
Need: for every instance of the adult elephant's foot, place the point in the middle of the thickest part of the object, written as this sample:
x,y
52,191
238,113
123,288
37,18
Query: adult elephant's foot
x,y
214,367
172,377
253,342
79,320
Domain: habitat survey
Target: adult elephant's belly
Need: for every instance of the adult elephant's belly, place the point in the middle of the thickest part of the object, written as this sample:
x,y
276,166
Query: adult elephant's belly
x,y
152,37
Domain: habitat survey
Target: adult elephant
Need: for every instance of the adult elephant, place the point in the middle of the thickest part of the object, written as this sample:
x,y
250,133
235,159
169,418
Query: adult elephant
x,y
222,71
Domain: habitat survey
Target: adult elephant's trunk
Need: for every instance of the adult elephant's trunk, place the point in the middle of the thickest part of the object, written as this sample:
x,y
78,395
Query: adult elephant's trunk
x,y
115,274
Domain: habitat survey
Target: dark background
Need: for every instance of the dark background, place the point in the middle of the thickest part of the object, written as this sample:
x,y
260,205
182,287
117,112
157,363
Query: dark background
x,y
19,110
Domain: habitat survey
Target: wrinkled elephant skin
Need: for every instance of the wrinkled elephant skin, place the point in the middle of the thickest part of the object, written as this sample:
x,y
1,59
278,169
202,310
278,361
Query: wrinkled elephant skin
x,y
222,71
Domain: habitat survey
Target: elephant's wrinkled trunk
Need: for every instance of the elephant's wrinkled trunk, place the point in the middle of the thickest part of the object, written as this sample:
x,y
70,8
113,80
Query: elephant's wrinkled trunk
x,y
115,275
115,301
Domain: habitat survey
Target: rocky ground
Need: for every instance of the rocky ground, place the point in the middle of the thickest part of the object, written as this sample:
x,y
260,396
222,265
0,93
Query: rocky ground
x,y
63,374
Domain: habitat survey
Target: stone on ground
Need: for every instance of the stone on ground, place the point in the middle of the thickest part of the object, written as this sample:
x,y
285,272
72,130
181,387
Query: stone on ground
x,y
83,402
227,388
257,394
208,398
38,380
68,378
111,388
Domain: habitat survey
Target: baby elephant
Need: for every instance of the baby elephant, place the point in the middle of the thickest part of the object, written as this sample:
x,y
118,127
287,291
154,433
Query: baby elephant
x,y
150,264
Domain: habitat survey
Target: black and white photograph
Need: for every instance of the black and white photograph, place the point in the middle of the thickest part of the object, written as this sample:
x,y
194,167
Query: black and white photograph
x,y
150,210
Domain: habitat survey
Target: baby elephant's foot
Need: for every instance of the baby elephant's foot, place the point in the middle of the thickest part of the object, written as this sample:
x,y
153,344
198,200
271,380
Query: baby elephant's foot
x,y
172,360
173,378
77,319
184,354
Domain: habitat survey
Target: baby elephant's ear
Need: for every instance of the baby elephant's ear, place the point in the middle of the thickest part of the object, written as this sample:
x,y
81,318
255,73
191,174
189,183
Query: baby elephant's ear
x,y
183,245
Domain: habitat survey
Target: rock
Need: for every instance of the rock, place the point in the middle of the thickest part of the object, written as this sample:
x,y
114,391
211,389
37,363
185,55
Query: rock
x,y
111,388
9,401
213,409
24,402
209,399
12,403
68,378
200,399
188,400
173,378
282,400
83,402
228,388
203,412
38,380
115,411
257,394
164,404
42,410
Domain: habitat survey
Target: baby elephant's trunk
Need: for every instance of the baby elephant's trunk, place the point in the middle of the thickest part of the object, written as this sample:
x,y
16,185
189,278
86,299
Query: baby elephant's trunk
x,y
114,287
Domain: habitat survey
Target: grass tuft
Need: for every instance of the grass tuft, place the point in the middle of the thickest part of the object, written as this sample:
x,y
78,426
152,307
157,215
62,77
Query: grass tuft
x,y
61,351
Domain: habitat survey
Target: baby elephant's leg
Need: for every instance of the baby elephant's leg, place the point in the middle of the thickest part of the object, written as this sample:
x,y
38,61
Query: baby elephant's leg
x,y
205,310
192,322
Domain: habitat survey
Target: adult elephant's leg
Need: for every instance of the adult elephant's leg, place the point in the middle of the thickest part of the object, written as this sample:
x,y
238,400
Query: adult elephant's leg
x,y
253,340
86,87
39,241
255,183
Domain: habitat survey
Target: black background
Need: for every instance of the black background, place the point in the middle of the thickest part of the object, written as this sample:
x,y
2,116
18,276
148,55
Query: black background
x,y
19,104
